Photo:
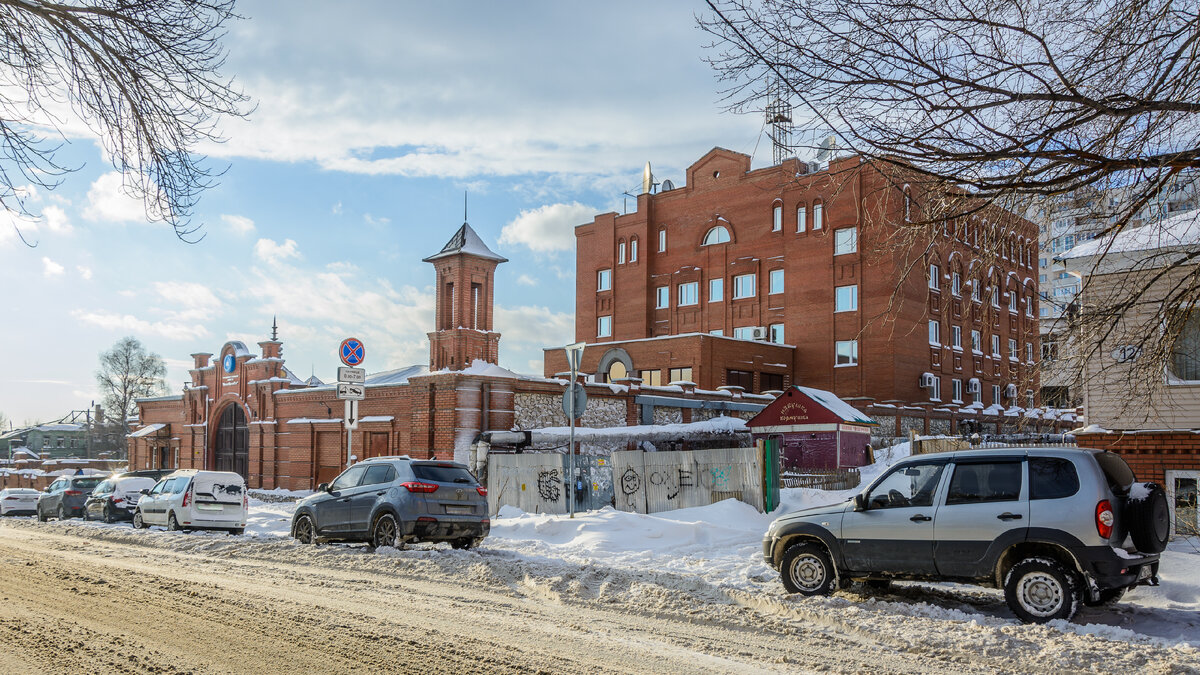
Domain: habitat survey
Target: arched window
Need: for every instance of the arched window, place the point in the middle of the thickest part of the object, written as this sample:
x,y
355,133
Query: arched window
x,y
717,235
777,217
621,253
907,204
801,218
662,240
633,249
818,215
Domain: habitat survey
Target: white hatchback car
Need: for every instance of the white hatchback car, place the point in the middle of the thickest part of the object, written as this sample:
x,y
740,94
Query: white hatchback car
x,y
18,501
191,499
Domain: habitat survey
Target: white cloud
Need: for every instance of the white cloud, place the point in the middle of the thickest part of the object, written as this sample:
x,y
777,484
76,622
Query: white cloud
x,y
84,271
547,228
526,280
374,220
127,324
50,268
56,220
272,253
534,327
238,224
190,301
110,201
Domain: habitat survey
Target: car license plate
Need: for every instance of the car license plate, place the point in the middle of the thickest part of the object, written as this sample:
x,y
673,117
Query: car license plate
x,y
209,507
457,508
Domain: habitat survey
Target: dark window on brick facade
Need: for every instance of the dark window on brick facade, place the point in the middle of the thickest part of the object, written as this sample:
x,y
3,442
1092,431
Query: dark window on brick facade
x,y
771,381
740,378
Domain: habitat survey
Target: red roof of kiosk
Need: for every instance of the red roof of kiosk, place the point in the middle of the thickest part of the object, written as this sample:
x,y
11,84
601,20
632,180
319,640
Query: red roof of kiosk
x,y
805,405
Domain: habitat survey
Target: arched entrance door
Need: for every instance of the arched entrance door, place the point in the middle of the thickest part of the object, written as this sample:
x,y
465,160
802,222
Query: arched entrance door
x,y
232,452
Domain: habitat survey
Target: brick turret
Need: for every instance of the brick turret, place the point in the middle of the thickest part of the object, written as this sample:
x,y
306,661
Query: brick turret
x,y
466,270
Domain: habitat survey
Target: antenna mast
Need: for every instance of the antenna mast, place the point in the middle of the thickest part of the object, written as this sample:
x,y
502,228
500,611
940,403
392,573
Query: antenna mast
x,y
779,119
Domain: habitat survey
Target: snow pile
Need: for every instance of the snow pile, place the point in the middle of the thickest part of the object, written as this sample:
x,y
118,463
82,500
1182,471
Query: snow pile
x,y
1139,492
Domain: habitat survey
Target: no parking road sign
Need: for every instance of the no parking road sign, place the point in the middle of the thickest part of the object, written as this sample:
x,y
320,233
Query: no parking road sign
x,y
352,351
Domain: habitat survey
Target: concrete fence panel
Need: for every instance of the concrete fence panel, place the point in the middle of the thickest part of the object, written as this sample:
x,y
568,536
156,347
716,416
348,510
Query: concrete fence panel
x,y
650,482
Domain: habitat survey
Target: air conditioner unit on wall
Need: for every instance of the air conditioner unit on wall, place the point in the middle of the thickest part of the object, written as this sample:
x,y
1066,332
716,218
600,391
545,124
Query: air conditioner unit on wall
x,y
1010,391
758,333
973,387
927,380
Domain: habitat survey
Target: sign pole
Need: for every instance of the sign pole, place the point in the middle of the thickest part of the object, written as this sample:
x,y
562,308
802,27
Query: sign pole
x,y
574,358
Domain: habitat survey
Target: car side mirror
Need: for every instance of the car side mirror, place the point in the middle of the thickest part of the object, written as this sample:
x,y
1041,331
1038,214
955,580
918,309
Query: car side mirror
x,y
323,487
860,502
144,491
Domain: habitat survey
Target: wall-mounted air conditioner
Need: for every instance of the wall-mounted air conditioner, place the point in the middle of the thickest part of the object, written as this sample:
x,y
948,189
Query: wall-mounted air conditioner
x,y
927,380
758,333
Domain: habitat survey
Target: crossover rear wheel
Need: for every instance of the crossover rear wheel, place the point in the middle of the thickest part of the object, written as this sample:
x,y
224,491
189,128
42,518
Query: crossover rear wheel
x,y
1038,590
807,569
62,512
172,523
386,532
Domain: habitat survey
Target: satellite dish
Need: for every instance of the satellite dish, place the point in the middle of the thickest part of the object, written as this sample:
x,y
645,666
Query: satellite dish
x,y
647,179
667,185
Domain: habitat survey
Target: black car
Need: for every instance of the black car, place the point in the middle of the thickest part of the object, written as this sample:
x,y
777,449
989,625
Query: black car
x,y
116,497
388,501
65,497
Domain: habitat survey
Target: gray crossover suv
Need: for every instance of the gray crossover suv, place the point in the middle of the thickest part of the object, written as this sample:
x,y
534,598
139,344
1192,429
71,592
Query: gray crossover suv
x,y
388,501
1053,527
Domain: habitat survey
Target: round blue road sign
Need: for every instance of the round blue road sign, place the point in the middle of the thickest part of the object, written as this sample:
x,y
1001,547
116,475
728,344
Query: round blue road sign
x,y
352,351
229,362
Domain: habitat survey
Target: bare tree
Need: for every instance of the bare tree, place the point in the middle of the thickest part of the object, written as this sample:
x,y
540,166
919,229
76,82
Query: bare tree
x,y
142,74
128,372
1021,104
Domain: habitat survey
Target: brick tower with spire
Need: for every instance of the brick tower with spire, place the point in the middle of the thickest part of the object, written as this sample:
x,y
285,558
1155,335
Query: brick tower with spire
x,y
466,271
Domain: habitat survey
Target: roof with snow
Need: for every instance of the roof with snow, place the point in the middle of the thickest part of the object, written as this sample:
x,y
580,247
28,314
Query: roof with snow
x,y
146,431
1179,231
397,376
801,406
465,241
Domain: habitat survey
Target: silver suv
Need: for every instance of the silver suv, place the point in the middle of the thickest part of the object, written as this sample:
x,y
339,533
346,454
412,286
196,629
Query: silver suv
x,y
388,501
1053,527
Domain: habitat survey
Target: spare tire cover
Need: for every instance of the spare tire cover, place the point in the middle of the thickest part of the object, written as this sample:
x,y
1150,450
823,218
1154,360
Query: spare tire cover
x,y
1148,517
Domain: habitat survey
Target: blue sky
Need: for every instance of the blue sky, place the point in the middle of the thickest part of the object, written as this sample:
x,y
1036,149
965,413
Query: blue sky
x,y
372,120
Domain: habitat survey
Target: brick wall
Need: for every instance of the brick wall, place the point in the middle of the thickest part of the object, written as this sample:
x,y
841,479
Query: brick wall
x,y
1150,454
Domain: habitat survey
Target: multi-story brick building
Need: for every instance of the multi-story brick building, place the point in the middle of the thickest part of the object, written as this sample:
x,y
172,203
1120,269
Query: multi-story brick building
x,y
760,279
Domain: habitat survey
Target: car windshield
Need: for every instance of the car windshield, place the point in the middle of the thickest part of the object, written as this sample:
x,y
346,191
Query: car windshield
x,y
443,473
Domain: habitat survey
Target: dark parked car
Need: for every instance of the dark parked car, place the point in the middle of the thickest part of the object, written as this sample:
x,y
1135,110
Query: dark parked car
x,y
65,497
388,501
115,497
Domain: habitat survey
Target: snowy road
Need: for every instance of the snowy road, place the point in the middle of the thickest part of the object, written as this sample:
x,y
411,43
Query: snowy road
x,y
91,598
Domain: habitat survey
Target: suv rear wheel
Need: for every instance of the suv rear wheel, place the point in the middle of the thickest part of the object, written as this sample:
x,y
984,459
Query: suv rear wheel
x,y
386,532
1038,590
807,569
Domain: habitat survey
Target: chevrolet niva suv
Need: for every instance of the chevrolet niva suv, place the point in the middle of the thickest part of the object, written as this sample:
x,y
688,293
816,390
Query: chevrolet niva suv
x,y
1053,527
388,501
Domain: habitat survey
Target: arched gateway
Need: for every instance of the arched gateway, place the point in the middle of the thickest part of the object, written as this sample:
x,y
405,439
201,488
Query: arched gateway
x,y
232,451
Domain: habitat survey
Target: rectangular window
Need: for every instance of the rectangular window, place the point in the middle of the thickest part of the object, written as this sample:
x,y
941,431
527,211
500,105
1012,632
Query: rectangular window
x,y
744,286
1012,349
1042,278
935,392
604,326
662,241
818,216
603,280
740,378
744,332
975,291
983,483
935,332
995,292
651,378
1029,352
847,353
1012,302
956,390
775,281
995,345
771,381
633,250
846,298
801,219
689,293
935,277
976,343
1029,306
718,332
716,290
1041,263
956,283
776,333
996,394
680,375
621,253
845,240
776,221
956,337
662,297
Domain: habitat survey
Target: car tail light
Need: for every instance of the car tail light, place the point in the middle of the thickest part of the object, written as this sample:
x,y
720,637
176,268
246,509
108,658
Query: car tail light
x,y
1104,519
187,496
481,490
426,519
418,486
117,500
11,498
72,493
245,501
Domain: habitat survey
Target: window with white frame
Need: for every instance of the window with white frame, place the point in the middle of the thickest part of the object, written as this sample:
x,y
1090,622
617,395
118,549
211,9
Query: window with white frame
x,y
956,337
777,218
1012,349
604,326
689,293
935,277
975,290
775,281
801,218
846,298
716,290
956,390
604,280
1029,352
776,333
744,286
976,342
744,332
976,392
662,240
995,293
718,332
1029,305
633,250
996,394
995,345
1012,301
716,235
621,253
662,297
845,240
956,283
818,216
935,332
1185,352
847,353
935,392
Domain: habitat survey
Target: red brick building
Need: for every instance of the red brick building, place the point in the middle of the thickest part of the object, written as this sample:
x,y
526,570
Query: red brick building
x,y
778,276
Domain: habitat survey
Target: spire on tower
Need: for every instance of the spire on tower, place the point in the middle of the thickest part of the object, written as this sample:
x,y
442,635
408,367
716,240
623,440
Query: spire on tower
x,y
274,328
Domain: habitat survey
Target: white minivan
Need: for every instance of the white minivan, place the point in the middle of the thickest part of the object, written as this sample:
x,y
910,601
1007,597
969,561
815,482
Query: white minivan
x,y
191,499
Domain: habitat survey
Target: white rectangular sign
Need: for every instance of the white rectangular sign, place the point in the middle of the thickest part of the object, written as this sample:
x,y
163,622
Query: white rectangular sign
x,y
351,392
352,375
351,418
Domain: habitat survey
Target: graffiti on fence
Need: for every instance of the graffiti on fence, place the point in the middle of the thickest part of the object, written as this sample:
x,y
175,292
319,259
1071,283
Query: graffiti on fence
x,y
631,482
549,485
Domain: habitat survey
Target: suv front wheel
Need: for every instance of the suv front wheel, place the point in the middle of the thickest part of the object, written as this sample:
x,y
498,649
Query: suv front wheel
x,y
1040,590
807,569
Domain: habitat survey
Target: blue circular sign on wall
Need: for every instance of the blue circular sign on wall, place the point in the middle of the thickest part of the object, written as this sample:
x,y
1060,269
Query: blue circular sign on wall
x,y
352,351
229,363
